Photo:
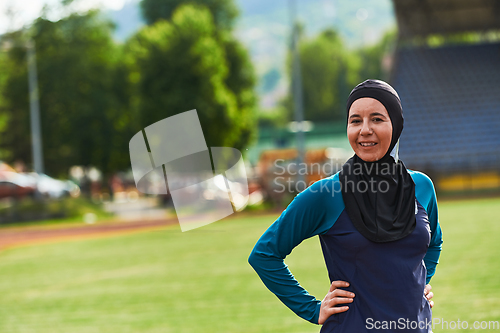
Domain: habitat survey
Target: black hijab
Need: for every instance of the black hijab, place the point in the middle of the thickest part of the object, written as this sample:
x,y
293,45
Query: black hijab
x,y
381,213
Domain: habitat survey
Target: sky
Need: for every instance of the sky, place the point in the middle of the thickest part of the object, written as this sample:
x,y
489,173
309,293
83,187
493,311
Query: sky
x,y
14,13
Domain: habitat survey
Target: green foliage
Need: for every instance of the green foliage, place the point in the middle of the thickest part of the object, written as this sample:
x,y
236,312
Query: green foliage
x,y
224,12
274,118
29,211
4,63
457,38
373,56
329,72
185,64
81,91
95,95
241,82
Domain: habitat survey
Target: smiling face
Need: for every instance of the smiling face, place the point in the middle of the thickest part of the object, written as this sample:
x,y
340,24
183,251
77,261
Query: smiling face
x,y
369,129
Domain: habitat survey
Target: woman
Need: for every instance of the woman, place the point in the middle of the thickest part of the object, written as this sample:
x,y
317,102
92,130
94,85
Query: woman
x,y
378,227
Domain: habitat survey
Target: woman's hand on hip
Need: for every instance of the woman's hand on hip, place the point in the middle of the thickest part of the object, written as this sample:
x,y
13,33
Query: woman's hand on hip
x,y
333,297
429,294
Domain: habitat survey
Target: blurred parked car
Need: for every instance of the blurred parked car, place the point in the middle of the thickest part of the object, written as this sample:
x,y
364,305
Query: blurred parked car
x,y
54,188
18,185
13,184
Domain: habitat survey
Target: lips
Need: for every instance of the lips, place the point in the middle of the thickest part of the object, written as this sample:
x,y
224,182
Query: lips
x,y
367,144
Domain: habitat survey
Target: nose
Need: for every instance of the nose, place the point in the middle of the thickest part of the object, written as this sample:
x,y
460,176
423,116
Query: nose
x,y
366,128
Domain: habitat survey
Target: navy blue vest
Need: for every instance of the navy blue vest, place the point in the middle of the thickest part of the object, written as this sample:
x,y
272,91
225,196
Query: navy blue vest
x,y
388,279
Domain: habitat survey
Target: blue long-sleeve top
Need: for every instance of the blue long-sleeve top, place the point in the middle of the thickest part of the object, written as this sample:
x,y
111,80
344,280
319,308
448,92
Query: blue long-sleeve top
x,y
387,278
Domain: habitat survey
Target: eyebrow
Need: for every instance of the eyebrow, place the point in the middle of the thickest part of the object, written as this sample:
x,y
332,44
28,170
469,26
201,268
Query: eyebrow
x,y
371,114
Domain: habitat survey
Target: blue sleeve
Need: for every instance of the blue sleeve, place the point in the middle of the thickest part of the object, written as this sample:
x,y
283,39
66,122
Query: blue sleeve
x,y
426,195
306,216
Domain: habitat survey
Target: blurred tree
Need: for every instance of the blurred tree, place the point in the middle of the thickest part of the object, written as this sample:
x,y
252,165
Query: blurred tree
x,y
186,64
82,90
241,81
16,141
224,12
273,118
372,57
329,72
4,63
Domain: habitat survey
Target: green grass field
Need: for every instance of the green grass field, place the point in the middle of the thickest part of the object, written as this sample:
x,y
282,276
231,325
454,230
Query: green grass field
x,y
200,281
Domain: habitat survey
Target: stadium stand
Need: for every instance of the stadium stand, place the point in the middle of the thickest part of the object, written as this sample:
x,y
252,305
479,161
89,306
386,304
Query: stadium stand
x,y
450,93
451,99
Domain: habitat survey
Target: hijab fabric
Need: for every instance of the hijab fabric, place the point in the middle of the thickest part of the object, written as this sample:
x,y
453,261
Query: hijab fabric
x,y
379,196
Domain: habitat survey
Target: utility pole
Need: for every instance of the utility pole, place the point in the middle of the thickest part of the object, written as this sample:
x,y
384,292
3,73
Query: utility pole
x,y
36,136
298,99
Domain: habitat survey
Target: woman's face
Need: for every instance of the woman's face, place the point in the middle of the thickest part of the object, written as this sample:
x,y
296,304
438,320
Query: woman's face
x,y
369,129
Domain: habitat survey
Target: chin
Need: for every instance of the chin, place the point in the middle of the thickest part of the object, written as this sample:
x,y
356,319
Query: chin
x,y
369,158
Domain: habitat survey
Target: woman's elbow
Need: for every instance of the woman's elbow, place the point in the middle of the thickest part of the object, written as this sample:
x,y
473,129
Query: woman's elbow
x,y
252,258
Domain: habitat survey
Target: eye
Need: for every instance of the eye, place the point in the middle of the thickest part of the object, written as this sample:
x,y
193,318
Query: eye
x,y
377,119
355,121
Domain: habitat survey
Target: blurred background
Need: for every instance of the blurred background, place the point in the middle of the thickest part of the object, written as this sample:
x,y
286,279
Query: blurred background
x,y
79,78
102,71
